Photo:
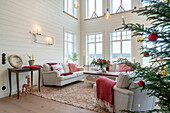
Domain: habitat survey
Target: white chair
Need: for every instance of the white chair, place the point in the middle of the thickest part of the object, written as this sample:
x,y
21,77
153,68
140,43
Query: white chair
x,y
127,99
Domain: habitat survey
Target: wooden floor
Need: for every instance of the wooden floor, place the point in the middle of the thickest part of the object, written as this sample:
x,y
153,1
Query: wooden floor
x,y
35,104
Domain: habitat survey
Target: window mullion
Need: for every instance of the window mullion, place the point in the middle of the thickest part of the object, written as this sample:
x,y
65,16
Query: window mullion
x,y
121,44
95,46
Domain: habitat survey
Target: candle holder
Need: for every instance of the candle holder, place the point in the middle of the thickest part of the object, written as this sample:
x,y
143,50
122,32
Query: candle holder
x,y
48,40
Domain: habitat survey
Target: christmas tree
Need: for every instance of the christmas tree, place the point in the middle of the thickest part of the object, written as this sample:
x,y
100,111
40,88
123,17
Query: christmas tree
x,y
158,73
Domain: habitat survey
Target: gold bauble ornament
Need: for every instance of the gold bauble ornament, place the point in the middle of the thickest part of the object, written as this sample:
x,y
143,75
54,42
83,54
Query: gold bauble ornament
x,y
164,0
139,39
163,72
161,59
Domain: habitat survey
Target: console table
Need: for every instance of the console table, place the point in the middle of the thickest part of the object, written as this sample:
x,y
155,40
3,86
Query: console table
x,y
20,70
91,76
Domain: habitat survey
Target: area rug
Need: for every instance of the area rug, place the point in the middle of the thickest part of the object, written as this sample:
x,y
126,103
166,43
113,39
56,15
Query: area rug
x,y
77,94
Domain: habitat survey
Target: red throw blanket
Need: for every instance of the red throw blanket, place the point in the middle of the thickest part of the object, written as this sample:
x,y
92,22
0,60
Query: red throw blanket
x,y
105,95
32,67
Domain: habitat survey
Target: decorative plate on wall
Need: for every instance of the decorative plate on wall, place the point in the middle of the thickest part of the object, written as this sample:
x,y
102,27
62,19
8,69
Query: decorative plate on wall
x,y
15,61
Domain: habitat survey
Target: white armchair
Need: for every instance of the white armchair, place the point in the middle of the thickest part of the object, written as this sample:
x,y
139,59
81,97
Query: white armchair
x,y
125,99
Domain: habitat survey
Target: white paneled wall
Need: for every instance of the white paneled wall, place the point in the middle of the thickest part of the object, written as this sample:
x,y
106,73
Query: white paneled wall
x,y
18,18
106,26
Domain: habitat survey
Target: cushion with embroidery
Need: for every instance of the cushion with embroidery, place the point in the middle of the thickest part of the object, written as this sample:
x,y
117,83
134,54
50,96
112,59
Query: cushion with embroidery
x,y
58,67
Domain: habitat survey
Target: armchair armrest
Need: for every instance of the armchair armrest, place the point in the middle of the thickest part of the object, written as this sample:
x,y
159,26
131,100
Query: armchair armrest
x,y
123,91
81,68
123,99
50,77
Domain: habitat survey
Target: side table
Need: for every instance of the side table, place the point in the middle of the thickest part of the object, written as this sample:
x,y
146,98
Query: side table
x,y
20,70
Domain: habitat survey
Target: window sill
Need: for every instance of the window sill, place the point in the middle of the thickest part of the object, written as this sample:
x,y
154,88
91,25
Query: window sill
x,y
112,14
70,15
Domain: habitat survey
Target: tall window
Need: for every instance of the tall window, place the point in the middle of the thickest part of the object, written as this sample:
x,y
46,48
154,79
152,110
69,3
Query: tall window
x,y
121,45
69,7
93,5
70,45
115,4
147,2
94,46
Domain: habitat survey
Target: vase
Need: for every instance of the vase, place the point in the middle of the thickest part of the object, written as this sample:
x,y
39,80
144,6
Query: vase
x,y
102,68
31,62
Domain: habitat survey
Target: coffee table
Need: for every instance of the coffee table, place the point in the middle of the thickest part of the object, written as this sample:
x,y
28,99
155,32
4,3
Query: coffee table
x,y
91,76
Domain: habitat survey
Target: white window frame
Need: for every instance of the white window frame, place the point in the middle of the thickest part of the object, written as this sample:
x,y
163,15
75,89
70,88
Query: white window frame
x,y
67,42
95,42
111,6
121,41
67,9
87,7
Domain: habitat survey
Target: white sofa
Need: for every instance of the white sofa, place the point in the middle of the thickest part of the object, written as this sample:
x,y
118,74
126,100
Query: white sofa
x,y
54,77
127,99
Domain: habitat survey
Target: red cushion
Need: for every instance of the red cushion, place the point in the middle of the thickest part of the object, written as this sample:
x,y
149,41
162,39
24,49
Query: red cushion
x,y
73,67
50,64
123,68
65,74
32,67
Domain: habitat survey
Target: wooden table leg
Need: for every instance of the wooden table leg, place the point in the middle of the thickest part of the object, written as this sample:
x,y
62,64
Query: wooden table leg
x,y
17,78
10,87
31,78
39,78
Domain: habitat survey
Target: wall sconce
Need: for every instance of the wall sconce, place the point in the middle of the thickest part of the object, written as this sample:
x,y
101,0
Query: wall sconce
x,y
42,39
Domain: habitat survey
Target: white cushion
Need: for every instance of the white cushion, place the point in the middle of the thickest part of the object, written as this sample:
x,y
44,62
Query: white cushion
x,y
66,77
79,73
123,80
58,67
112,68
46,67
66,67
117,67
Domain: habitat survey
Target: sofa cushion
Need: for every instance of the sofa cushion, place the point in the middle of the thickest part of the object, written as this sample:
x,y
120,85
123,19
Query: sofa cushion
x,y
46,67
50,64
134,84
73,67
66,74
123,80
57,67
65,67
112,68
66,77
123,68
79,73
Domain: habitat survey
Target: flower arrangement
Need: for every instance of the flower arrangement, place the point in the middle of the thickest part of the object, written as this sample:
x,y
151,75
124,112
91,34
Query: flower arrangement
x,y
102,63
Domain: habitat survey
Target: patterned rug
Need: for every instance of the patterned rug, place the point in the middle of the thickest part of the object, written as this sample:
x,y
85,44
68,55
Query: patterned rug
x,y
76,94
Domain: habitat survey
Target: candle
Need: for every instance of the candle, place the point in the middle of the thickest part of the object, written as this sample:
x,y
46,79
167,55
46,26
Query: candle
x,y
134,59
138,107
121,55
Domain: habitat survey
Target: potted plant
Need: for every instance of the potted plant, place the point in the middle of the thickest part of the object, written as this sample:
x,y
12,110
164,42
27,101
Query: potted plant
x,y
74,57
31,60
102,63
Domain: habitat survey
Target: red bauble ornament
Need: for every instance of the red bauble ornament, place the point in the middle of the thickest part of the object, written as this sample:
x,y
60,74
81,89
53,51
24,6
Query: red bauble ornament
x,y
141,83
153,37
146,54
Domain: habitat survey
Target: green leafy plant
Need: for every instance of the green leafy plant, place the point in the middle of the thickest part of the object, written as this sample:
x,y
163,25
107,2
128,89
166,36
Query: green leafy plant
x,y
74,57
30,57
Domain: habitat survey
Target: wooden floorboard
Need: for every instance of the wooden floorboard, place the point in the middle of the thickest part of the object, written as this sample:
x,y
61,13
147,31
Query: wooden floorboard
x,y
35,104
